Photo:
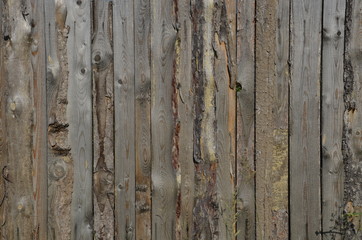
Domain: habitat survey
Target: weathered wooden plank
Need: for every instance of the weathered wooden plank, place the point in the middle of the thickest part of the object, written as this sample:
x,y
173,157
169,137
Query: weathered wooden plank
x,y
272,45
79,115
18,76
182,103
143,118
224,46
60,162
351,149
245,119
163,37
124,80
305,193
38,61
332,115
103,167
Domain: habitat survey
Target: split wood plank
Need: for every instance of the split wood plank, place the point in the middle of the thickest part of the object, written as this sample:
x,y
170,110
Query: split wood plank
x,y
272,53
304,172
142,39
332,114
245,119
103,166
124,86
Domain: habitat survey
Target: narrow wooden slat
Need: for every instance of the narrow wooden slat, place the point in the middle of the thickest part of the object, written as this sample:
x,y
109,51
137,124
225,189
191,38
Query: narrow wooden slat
x,y
103,166
163,37
183,114
79,115
352,129
224,45
305,193
19,117
142,20
124,80
60,164
272,45
332,114
39,150
245,119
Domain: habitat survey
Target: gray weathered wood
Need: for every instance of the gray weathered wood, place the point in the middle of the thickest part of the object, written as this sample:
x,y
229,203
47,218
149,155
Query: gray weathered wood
x,y
124,80
332,114
163,37
39,148
79,115
103,166
143,118
305,193
272,45
245,119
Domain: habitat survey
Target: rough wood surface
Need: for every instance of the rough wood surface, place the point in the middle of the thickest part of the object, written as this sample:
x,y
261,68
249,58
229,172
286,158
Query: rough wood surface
x,y
103,166
124,80
245,119
352,128
305,191
163,38
143,118
332,115
272,45
79,115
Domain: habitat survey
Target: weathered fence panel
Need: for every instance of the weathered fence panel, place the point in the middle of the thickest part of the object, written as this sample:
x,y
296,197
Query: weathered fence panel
x,y
158,119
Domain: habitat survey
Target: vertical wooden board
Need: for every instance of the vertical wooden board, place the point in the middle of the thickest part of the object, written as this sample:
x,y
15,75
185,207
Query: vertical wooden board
x,y
245,119
124,80
352,129
305,193
224,46
142,21
18,77
183,115
272,44
60,162
79,115
163,37
103,166
39,150
332,115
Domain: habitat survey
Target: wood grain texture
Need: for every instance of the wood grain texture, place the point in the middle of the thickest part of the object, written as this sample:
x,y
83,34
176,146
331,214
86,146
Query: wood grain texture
x,y
103,166
245,119
163,37
332,114
38,61
352,128
305,193
272,45
124,80
79,115
183,97
142,20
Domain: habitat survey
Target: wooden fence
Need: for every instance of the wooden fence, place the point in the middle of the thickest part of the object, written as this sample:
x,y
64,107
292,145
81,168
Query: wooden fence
x,y
183,119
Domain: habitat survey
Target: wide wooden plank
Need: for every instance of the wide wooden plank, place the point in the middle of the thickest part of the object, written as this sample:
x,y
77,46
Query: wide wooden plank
x,y
351,143
38,61
79,115
182,102
103,166
272,52
332,115
124,84
142,21
19,116
60,164
305,192
163,37
245,119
